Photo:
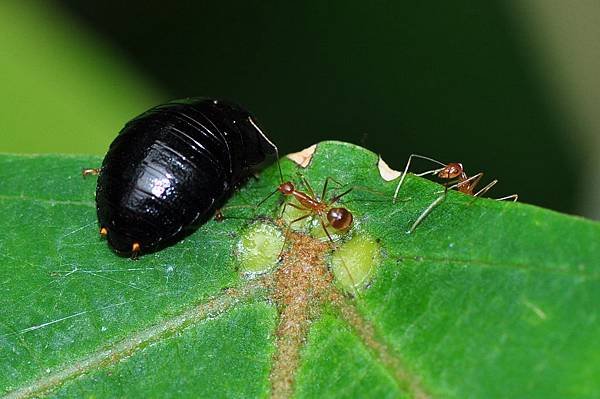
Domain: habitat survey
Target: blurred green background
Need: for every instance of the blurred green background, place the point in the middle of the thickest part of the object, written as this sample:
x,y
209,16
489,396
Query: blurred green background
x,y
506,87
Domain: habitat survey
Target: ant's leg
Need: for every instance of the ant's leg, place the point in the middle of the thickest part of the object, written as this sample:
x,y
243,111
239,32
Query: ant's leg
x,y
471,181
90,171
486,188
426,212
327,232
286,204
325,186
353,188
514,197
287,233
296,206
299,219
449,185
308,186
354,287
337,197
420,174
368,190
385,197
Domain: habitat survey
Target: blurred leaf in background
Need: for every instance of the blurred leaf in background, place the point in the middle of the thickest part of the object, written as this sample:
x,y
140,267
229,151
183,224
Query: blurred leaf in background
x,y
564,37
457,81
63,89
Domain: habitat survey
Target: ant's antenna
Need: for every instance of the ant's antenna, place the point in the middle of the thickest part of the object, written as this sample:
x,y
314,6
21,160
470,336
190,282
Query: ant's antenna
x,y
270,143
267,197
278,164
429,159
421,174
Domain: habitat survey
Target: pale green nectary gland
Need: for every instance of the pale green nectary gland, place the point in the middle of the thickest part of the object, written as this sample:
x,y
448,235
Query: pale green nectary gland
x,y
259,248
354,262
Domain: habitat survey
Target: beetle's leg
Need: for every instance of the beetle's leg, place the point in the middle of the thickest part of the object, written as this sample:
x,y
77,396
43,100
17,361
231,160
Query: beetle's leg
x,y
219,216
90,171
135,250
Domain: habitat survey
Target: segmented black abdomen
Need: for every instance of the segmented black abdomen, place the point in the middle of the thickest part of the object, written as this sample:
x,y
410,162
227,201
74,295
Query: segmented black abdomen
x,y
172,166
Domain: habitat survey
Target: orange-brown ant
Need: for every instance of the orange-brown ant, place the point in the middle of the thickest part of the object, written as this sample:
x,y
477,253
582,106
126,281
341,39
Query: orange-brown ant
x,y
337,217
462,182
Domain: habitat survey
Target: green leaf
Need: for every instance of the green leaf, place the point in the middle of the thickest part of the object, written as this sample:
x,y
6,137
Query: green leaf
x,y
485,299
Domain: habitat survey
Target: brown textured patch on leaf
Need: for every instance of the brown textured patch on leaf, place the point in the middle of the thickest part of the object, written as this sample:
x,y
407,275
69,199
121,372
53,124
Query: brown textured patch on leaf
x,y
302,283
303,158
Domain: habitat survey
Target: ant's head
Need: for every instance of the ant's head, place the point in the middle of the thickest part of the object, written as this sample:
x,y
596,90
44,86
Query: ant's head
x,y
286,188
451,171
339,218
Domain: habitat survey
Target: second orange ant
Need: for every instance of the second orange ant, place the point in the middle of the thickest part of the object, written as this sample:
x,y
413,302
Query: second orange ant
x,y
456,177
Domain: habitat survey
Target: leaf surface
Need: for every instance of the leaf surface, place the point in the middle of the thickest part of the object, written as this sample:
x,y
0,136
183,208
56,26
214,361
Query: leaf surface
x,y
485,299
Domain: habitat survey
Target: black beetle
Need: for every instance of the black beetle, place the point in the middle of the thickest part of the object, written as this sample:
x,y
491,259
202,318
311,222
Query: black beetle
x,y
171,167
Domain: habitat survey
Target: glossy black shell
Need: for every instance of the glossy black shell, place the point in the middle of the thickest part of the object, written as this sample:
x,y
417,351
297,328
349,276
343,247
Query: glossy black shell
x,y
171,167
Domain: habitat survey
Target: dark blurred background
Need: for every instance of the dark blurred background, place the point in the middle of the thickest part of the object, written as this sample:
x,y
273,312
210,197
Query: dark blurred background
x,y
458,81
